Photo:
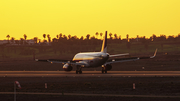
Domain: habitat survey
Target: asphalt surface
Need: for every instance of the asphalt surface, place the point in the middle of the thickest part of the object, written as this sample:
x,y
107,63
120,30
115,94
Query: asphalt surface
x,y
77,94
90,74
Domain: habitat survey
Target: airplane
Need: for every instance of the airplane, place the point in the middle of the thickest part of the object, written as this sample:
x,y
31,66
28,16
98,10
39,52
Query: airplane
x,y
94,59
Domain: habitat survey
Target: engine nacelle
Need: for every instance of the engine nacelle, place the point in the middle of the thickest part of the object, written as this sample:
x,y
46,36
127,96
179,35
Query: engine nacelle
x,y
67,67
108,67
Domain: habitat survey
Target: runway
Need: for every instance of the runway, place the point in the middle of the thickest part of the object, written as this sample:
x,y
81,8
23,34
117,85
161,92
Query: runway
x,y
78,94
90,74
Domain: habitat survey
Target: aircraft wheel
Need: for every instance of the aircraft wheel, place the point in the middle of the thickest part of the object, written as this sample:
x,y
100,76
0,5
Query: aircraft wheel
x,y
80,72
76,72
102,71
105,71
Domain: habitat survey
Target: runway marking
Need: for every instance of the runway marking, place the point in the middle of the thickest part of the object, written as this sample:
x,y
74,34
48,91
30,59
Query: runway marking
x,y
78,94
90,74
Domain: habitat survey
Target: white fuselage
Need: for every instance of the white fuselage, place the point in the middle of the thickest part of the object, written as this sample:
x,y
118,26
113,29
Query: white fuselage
x,y
91,59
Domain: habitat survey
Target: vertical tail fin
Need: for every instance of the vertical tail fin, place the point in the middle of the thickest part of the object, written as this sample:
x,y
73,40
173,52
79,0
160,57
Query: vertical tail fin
x,y
104,44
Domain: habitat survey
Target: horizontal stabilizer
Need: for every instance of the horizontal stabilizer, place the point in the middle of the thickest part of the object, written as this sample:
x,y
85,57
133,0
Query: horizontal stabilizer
x,y
119,55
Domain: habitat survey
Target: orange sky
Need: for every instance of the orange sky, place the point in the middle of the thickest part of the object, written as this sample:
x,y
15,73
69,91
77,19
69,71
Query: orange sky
x,y
81,17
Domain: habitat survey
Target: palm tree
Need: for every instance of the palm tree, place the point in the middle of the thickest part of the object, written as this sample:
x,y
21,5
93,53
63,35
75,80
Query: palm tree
x,y
12,39
101,35
39,40
35,39
8,36
60,35
110,35
57,36
120,37
81,38
69,36
154,37
87,36
127,37
25,37
65,37
115,35
44,35
97,34
49,38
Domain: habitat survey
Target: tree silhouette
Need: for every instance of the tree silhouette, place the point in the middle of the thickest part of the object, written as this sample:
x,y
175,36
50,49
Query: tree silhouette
x,y
35,39
154,37
127,37
87,36
49,38
8,36
82,38
39,40
69,36
110,35
12,39
171,38
101,35
97,34
65,37
57,36
25,36
115,35
60,35
162,38
120,37
44,36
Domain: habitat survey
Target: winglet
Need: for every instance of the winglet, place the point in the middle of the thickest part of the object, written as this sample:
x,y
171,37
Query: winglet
x,y
104,45
154,54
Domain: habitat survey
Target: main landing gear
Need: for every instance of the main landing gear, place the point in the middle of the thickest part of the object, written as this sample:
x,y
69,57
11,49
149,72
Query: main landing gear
x,y
78,70
104,70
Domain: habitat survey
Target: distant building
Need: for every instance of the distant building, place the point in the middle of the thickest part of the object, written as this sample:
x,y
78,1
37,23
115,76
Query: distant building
x,y
3,42
22,42
30,42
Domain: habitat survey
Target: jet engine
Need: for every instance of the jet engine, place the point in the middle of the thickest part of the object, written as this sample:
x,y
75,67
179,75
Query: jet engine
x,y
108,67
67,67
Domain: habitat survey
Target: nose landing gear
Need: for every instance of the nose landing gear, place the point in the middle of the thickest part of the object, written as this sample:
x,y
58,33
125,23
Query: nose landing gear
x,y
78,69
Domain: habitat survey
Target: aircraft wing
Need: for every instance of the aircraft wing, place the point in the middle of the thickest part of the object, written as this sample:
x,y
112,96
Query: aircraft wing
x,y
119,55
60,61
122,60
129,59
